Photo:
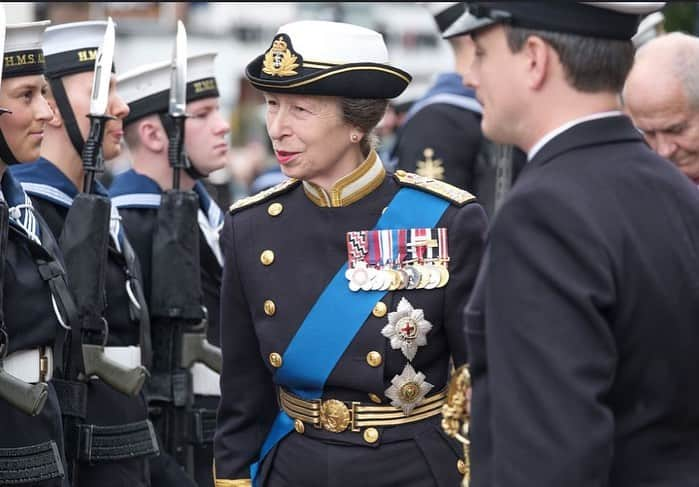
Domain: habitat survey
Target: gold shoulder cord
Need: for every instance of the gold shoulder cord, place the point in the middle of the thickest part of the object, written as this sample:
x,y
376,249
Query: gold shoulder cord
x,y
455,417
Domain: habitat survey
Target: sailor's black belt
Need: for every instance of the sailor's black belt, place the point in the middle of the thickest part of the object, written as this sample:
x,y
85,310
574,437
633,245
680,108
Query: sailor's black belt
x,y
337,416
98,444
30,464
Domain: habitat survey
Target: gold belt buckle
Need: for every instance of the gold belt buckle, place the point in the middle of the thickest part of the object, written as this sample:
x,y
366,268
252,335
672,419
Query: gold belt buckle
x,y
334,416
43,364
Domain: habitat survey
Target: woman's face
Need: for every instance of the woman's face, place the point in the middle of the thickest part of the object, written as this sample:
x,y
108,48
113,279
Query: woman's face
x,y
311,140
24,127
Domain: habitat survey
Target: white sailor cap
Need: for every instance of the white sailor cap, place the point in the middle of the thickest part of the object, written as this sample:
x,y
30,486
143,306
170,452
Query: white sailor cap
x,y
445,13
316,57
648,29
146,88
23,55
607,20
72,48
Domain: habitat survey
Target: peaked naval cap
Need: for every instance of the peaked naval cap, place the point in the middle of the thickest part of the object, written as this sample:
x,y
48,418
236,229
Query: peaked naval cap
x,y
606,20
313,57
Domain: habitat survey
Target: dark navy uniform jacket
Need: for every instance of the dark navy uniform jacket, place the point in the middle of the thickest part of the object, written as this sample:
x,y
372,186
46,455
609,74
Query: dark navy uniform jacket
x,y
30,321
138,197
583,327
52,194
306,228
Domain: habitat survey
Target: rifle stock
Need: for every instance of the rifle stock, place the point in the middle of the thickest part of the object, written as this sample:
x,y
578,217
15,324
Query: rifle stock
x,y
196,348
123,379
28,398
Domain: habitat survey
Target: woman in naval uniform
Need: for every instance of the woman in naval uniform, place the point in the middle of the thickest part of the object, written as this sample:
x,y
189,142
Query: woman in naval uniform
x,y
343,287
31,445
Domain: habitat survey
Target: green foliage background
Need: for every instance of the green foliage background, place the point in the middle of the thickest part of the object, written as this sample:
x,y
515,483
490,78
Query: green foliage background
x,y
681,16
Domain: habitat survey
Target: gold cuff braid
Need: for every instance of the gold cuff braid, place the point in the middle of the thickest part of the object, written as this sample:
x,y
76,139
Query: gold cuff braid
x,y
233,483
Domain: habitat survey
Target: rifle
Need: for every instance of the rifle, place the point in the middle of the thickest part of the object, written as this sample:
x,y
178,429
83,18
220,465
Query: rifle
x,y
176,293
85,240
28,398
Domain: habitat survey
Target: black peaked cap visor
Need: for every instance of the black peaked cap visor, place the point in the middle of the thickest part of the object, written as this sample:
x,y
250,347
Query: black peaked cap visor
x,y
356,80
569,17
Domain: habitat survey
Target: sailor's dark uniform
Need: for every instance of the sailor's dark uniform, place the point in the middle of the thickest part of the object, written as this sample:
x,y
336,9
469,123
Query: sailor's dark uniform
x,y
52,194
138,197
31,448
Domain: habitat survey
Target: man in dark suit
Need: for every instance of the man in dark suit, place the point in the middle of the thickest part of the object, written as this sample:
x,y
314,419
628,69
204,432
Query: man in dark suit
x,y
582,328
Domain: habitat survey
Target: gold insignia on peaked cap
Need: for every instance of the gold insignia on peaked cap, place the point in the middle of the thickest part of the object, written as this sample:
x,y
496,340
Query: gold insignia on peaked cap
x,y
279,60
430,168
262,196
457,196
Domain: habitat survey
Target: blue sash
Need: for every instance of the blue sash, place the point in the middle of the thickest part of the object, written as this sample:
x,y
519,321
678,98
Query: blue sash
x,y
315,349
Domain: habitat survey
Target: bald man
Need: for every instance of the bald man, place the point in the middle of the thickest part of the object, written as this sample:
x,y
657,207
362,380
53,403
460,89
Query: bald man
x,y
661,95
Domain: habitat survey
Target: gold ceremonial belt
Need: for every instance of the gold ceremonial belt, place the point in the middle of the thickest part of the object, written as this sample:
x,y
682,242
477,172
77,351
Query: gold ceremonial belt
x,y
336,416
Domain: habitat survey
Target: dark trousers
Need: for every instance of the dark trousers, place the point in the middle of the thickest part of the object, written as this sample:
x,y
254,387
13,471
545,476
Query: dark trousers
x,y
300,461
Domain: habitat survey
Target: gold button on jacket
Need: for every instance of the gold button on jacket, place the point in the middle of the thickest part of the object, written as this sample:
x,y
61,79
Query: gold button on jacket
x,y
267,257
371,435
379,309
275,209
374,358
270,308
275,360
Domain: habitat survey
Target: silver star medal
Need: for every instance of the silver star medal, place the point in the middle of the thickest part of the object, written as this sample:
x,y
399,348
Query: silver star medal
x,y
407,329
408,389
360,276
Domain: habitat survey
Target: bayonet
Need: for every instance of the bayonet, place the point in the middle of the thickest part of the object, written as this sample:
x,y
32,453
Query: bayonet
x,y
178,105
93,160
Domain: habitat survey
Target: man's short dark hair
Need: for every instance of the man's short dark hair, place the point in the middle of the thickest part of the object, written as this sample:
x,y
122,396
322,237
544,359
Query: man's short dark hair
x,y
591,65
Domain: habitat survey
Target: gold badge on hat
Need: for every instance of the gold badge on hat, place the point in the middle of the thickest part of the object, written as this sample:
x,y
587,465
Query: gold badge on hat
x,y
430,168
279,60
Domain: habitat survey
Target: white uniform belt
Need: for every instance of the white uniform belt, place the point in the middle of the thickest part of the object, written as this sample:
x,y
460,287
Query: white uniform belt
x,y
30,365
205,382
129,357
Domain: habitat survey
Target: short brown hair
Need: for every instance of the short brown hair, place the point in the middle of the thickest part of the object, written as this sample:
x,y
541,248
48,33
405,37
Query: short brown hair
x,y
365,114
591,65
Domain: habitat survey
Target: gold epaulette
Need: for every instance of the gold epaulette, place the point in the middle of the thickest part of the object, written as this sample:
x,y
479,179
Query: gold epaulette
x,y
456,195
264,195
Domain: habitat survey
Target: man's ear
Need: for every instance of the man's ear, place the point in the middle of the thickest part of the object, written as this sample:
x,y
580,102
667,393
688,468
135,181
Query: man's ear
x,y
57,120
538,57
152,135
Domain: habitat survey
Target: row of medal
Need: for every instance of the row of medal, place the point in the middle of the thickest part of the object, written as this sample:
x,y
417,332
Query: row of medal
x,y
389,260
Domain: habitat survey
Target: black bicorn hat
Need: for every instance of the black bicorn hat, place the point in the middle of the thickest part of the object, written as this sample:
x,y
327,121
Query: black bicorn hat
x,y
327,58
606,20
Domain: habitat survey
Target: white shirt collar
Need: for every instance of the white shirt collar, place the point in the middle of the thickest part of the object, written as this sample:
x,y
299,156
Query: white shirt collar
x,y
549,136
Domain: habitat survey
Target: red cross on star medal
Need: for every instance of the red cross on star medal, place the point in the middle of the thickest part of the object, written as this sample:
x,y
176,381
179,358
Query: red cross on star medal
x,y
407,329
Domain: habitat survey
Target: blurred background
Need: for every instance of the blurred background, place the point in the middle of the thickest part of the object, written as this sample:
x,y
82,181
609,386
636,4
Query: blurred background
x,y
241,31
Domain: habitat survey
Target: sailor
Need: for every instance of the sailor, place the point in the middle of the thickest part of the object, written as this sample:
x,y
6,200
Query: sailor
x,y
137,194
33,308
441,136
119,436
582,328
343,288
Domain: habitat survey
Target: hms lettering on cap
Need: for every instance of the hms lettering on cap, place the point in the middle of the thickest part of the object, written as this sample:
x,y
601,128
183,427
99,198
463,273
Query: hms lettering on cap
x,y
24,59
87,55
204,85
279,60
